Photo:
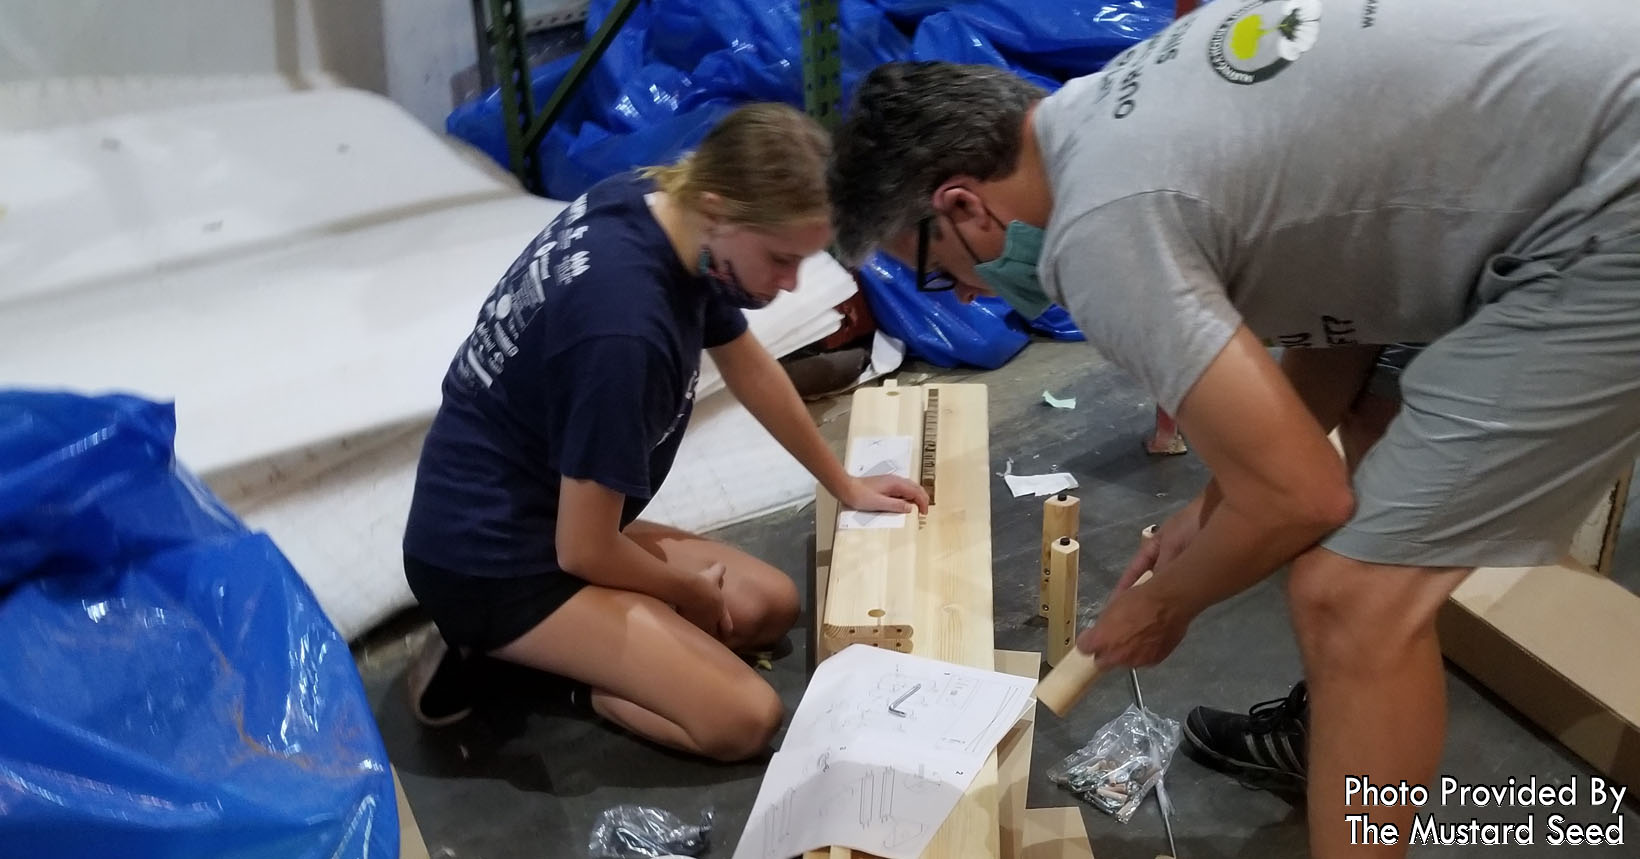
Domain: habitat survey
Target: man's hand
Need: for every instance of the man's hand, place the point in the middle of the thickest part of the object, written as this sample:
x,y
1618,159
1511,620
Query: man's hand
x,y
1136,629
705,606
1158,549
884,493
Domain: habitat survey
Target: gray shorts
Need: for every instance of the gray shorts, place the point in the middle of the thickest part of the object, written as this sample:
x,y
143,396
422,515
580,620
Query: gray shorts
x,y
1513,423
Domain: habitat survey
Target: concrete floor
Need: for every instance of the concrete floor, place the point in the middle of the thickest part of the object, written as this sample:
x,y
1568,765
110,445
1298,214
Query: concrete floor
x,y
524,778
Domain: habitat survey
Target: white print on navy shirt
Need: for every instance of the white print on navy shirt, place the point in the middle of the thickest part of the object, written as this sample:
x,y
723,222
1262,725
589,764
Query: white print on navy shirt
x,y
683,410
520,294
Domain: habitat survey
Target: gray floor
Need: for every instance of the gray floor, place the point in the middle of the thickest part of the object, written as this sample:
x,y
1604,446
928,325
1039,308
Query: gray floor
x,y
524,778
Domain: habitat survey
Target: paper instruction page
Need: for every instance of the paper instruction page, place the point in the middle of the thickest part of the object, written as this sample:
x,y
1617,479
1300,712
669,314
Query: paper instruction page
x,y
853,772
870,456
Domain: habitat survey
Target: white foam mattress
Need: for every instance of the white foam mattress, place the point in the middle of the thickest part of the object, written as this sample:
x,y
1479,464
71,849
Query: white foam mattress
x,y
294,271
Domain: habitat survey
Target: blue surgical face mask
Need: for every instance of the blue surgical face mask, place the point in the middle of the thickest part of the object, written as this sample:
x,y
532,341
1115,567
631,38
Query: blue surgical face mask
x,y
1012,276
720,277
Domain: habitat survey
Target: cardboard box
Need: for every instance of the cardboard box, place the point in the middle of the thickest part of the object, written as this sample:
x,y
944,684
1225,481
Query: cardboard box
x,y
410,844
1562,645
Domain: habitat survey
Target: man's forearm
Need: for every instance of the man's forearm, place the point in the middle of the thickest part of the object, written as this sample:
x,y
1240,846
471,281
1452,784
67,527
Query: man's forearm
x,y
1234,550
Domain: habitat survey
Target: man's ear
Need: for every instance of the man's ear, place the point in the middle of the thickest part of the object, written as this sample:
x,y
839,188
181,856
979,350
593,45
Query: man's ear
x,y
955,199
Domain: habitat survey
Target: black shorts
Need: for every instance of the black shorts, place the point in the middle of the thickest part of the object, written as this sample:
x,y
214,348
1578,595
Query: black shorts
x,y
487,612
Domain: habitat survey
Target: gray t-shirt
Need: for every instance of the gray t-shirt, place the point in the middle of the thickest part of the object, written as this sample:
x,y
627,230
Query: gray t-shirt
x,y
1330,172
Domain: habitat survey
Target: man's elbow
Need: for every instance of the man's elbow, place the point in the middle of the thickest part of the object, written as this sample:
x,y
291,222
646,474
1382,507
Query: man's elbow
x,y
1325,508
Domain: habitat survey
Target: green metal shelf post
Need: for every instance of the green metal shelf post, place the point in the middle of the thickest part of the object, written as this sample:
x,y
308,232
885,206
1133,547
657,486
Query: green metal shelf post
x,y
822,62
525,128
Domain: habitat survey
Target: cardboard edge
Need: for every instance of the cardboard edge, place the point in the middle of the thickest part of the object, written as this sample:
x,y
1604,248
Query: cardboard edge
x,y
1536,687
411,844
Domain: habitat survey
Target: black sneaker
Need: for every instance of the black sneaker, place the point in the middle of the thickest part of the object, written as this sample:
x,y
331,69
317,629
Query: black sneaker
x,y
1266,748
439,686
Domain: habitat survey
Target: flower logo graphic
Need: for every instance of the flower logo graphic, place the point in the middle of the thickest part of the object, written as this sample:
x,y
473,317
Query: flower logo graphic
x,y
1264,37
1299,27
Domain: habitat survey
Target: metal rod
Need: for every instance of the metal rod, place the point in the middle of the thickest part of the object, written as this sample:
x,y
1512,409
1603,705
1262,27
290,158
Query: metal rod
x,y
1161,781
1167,815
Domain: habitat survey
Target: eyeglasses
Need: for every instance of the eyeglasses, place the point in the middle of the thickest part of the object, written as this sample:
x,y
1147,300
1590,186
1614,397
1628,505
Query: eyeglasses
x,y
936,280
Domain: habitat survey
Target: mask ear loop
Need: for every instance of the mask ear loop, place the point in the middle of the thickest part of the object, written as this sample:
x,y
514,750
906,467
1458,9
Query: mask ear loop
x,y
964,242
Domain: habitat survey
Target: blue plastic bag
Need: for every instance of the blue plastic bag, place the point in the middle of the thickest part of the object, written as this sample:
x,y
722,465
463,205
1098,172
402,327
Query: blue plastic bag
x,y
169,686
678,66
1052,38
953,38
1055,322
935,325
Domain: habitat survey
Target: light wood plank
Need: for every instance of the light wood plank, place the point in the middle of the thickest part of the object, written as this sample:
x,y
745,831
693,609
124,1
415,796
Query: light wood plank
x,y
953,586
1056,833
1014,757
869,599
825,527
933,576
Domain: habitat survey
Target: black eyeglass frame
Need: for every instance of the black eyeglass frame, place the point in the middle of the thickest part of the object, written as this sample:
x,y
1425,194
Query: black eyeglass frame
x,y
930,281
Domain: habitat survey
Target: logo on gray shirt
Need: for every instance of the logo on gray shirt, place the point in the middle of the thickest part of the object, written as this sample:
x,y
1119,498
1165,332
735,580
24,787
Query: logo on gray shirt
x,y
1264,37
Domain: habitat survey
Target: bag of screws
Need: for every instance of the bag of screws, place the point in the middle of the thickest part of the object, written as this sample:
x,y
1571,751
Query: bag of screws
x,y
1121,763
635,831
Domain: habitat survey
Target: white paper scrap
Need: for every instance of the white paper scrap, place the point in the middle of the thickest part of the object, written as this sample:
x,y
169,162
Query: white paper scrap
x,y
853,774
1040,484
1057,402
869,456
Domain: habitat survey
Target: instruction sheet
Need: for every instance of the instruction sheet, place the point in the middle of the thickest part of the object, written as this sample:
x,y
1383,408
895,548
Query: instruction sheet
x,y
881,748
871,456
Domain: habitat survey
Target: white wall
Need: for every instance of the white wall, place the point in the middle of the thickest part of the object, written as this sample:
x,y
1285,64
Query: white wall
x,y
87,38
428,41
406,49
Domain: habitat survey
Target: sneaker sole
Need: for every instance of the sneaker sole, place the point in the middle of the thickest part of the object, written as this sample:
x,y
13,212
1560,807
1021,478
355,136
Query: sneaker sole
x,y
1258,777
420,676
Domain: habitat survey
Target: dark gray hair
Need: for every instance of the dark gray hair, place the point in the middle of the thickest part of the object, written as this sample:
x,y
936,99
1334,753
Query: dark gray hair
x,y
910,127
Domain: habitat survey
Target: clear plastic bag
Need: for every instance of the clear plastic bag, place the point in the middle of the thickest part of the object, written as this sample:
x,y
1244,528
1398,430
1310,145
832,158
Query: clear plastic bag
x,y
1122,762
634,831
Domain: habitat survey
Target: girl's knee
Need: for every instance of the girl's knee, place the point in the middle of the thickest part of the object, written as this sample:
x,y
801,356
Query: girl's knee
x,y
783,610
743,727
772,612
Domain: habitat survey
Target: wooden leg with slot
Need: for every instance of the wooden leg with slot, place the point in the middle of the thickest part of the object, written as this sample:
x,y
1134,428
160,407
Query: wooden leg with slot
x,y
1064,565
1059,519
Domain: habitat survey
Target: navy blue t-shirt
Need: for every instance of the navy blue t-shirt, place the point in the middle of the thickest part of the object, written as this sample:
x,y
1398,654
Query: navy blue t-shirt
x,y
582,364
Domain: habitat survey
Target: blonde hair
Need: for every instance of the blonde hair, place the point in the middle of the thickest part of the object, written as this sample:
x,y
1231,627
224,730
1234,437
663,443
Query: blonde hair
x,y
767,162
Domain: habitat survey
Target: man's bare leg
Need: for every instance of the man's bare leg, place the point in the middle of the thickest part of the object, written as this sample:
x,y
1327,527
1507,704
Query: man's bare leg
x,y
1377,689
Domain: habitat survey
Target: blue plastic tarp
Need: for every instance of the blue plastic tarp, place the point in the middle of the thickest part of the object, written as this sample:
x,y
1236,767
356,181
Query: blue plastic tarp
x,y
169,687
678,66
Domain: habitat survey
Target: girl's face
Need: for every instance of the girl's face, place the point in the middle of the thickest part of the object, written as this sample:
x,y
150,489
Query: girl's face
x,y
763,261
